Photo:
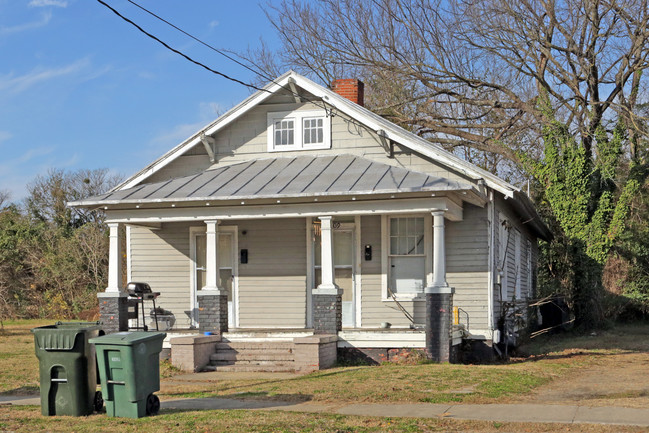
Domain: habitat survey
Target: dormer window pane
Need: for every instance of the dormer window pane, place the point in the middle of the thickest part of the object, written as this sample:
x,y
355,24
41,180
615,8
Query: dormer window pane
x,y
284,133
313,131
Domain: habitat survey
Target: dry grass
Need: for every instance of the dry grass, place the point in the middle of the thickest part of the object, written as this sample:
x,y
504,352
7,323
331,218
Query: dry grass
x,y
18,363
26,419
433,383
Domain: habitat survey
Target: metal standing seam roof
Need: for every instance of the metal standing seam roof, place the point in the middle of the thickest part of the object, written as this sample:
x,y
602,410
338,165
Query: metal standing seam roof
x,y
301,176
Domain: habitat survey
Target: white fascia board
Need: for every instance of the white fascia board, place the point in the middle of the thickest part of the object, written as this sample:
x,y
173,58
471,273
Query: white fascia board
x,y
224,120
406,138
297,210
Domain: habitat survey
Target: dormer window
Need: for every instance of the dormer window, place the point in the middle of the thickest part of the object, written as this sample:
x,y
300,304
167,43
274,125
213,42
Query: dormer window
x,y
298,130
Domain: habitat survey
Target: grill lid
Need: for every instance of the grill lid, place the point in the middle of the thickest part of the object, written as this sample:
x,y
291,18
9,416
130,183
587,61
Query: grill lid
x,y
136,289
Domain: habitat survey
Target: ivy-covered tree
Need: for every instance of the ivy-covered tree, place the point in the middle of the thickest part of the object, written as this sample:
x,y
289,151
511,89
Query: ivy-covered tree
x,y
588,197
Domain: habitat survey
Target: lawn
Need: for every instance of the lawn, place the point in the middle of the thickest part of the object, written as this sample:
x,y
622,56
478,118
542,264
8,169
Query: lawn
x,y
550,361
26,419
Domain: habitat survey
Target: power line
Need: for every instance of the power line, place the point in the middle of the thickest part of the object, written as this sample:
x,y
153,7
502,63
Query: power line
x,y
313,101
227,77
221,52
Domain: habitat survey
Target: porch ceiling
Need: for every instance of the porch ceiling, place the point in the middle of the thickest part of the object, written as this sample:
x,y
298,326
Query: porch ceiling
x,y
291,177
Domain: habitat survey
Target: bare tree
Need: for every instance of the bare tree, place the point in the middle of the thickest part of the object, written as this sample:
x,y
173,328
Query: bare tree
x,y
5,196
468,74
49,195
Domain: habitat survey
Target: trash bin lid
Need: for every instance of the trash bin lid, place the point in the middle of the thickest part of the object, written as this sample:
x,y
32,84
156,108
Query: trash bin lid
x,y
128,338
61,336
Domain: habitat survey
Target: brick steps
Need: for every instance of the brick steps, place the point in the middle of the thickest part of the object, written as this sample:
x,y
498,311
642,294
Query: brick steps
x,y
251,368
248,356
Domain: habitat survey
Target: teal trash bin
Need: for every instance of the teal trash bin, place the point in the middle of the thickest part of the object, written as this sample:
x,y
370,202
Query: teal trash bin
x,y
68,369
129,368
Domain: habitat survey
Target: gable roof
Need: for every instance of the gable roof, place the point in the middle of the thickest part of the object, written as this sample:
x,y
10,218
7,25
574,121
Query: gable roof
x,y
383,127
302,176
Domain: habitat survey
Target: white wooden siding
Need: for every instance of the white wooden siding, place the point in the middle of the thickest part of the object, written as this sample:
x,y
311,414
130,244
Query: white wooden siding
x,y
467,254
528,285
247,138
161,258
374,310
272,285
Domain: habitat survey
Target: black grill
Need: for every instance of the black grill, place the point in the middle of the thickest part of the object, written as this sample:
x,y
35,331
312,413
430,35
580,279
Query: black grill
x,y
138,293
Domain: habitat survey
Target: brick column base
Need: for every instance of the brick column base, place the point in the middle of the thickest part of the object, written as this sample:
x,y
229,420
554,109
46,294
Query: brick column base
x,y
192,353
439,313
113,311
315,352
327,314
212,311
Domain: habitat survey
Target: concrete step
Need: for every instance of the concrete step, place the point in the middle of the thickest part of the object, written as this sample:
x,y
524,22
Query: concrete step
x,y
269,355
251,368
251,362
254,345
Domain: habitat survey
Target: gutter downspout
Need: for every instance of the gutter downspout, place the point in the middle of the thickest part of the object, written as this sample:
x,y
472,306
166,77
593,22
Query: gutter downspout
x,y
491,216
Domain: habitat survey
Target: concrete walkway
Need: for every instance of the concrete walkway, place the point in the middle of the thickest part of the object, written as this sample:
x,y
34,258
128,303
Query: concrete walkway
x,y
541,413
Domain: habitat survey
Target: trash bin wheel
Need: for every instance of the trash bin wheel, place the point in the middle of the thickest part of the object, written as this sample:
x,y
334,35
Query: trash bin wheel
x,y
98,403
152,404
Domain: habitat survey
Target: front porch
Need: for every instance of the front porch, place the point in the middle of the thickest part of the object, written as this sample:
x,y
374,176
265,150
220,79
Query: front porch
x,y
298,350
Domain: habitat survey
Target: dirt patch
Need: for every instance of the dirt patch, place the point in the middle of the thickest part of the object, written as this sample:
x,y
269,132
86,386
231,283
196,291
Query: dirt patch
x,y
616,379
608,368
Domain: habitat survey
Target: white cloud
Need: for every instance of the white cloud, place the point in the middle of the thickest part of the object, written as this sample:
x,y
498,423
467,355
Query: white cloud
x,y
45,19
23,82
5,135
214,24
210,110
179,133
46,3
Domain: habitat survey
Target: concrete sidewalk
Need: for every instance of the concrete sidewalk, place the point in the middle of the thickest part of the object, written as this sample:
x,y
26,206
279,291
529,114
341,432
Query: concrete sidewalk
x,y
541,413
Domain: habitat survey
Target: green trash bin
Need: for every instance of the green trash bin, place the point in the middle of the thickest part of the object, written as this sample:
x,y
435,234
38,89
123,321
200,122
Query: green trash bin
x,y
129,368
68,370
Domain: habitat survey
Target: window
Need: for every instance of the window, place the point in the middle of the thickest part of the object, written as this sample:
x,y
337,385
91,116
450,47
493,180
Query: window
x,y
313,131
407,257
284,132
298,130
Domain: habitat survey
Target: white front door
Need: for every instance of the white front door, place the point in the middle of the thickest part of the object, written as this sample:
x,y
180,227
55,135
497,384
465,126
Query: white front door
x,y
344,274
228,269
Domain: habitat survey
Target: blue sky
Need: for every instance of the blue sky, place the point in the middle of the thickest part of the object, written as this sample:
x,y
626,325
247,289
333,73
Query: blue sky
x,y
80,88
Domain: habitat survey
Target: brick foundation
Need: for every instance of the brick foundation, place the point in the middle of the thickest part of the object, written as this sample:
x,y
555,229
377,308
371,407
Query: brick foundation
x,y
113,311
212,312
327,314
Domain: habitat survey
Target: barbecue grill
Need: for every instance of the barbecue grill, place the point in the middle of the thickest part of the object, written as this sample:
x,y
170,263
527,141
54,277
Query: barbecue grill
x,y
138,293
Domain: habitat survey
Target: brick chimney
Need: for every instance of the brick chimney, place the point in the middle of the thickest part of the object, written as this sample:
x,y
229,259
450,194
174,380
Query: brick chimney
x,y
350,88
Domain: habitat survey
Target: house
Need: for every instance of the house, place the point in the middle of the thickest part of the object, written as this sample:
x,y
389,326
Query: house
x,y
299,213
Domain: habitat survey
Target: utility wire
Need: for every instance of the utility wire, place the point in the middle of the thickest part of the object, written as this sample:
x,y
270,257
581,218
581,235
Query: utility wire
x,y
221,52
229,57
227,77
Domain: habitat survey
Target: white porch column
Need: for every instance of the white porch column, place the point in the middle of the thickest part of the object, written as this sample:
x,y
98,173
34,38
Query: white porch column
x,y
114,260
439,250
211,253
328,285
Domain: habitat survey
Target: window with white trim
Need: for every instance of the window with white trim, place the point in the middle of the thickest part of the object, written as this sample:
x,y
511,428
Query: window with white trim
x,y
407,255
298,130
